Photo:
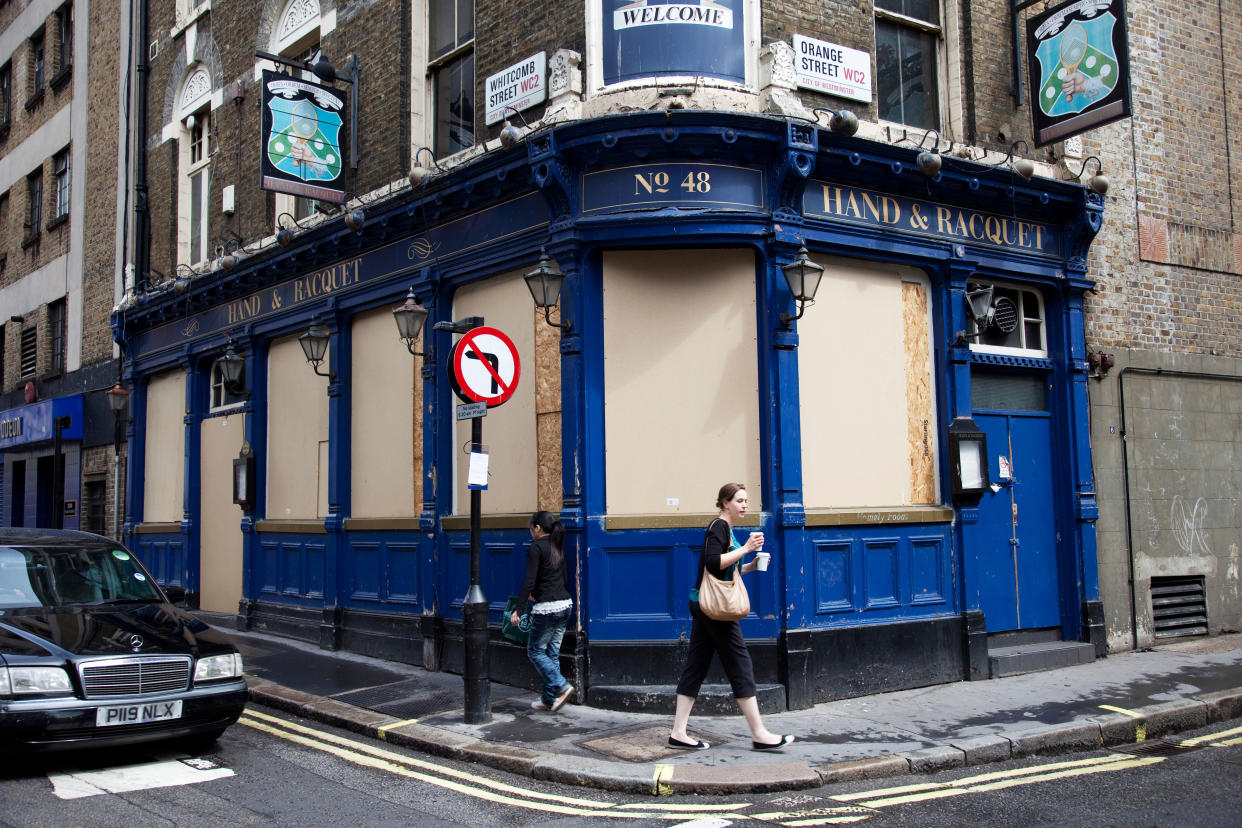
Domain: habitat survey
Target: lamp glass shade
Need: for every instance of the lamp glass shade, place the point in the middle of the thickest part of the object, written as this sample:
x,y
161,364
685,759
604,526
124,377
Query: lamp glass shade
x,y
545,282
314,343
968,448
231,367
980,301
410,318
118,398
803,276
970,461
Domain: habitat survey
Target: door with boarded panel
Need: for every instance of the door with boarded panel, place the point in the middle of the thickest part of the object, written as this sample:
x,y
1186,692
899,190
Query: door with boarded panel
x,y
1017,527
220,538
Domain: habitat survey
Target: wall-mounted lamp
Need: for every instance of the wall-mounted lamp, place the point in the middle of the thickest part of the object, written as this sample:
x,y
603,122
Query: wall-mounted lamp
x,y
1100,364
979,304
802,275
285,234
418,173
545,283
232,369
315,345
355,219
988,311
510,134
1024,167
929,161
118,398
243,478
968,450
1097,183
842,122
182,281
410,318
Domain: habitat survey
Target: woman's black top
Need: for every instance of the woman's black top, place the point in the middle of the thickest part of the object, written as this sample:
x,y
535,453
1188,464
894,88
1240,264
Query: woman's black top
x,y
544,582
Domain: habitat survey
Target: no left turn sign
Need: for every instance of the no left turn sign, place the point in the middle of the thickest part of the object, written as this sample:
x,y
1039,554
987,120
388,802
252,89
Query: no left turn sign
x,y
485,367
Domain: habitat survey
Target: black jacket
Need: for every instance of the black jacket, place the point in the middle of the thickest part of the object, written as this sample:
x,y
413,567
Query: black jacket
x,y
544,582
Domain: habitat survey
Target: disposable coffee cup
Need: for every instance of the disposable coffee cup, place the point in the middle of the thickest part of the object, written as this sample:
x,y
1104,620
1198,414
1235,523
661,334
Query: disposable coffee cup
x,y
762,558
758,535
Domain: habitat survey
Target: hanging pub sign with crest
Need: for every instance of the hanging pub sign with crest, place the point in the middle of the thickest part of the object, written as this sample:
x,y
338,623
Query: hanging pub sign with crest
x,y
303,144
1080,68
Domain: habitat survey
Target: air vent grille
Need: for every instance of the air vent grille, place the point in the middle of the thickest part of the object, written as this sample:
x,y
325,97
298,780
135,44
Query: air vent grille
x,y
1179,606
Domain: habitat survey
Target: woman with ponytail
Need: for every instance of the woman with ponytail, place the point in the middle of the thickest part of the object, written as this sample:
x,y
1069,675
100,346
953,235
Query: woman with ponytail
x,y
544,586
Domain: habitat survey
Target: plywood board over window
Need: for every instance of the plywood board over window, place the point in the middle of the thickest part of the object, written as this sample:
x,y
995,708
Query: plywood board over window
x,y
866,389
681,379
297,435
509,430
163,484
386,447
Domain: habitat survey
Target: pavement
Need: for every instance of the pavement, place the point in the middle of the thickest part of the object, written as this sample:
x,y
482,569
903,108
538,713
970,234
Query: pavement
x,y
1127,698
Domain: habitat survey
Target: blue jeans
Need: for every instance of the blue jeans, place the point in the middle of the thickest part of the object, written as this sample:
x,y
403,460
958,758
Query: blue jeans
x,y
543,647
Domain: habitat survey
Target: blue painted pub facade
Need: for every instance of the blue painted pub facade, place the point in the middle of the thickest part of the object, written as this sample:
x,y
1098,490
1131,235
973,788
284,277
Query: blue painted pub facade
x,y
858,600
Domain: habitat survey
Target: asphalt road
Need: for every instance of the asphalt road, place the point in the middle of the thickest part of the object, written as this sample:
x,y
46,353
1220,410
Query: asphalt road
x,y
272,769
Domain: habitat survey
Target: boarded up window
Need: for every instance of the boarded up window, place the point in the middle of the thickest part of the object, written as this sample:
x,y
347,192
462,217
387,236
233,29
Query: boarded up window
x,y
867,391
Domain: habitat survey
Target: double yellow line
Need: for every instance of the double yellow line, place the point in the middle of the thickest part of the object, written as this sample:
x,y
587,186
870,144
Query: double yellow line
x,y
840,809
471,784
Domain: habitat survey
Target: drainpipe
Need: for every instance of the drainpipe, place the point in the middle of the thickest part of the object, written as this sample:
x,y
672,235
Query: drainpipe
x,y
142,217
1125,468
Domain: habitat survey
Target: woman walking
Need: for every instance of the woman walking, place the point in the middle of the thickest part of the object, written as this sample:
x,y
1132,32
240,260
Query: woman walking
x,y
721,556
545,586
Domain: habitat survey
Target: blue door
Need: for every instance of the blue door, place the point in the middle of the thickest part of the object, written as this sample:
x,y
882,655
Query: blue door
x,y
1017,524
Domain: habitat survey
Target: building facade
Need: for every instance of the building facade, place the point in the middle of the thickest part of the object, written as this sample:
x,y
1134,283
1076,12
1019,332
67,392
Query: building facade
x,y
60,165
676,163
1164,320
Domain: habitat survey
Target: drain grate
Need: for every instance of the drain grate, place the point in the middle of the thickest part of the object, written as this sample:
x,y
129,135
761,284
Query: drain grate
x,y
1178,606
1157,747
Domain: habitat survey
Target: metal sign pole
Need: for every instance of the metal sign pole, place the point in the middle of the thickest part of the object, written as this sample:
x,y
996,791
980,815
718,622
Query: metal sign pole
x,y
474,611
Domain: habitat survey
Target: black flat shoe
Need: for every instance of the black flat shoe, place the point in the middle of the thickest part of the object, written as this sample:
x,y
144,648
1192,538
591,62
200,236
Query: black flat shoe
x,y
785,740
678,744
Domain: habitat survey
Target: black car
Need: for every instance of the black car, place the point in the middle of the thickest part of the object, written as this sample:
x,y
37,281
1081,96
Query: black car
x,y
93,652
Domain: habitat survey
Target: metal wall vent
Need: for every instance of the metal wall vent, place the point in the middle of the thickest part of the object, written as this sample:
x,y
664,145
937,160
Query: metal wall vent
x,y
1179,606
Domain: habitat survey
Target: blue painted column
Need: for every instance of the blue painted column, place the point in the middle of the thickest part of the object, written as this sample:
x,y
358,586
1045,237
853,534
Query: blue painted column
x,y
953,318
335,544
796,563
136,455
255,434
1087,624
191,478
430,540
582,422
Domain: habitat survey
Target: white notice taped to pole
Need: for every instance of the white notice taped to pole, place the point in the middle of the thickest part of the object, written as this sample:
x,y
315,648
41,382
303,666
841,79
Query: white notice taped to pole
x,y
476,478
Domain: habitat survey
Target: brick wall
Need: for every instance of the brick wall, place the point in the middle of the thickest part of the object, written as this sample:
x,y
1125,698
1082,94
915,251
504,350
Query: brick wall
x,y
100,179
364,29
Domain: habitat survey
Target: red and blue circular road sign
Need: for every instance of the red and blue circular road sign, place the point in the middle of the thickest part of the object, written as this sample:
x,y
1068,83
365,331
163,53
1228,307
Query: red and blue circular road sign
x,y
485,367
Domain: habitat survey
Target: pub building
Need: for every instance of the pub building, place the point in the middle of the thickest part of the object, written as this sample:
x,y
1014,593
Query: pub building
x,y
889,356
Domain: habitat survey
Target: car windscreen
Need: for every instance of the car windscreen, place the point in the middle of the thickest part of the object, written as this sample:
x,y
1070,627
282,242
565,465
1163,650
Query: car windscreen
x,y
60,576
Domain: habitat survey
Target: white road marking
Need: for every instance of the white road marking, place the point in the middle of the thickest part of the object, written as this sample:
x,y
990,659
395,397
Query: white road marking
x,y
126,778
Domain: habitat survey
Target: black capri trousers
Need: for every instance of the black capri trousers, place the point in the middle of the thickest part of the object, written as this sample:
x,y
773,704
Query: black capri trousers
x,y
723,638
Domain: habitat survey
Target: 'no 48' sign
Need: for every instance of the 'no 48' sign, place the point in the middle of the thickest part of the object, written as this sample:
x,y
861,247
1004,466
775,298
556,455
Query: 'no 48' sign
x,y
484,367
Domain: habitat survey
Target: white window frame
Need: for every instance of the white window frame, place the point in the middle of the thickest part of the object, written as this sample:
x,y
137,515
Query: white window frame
x,y
194,115
1024,316
945,42
60,178
442,63
222,398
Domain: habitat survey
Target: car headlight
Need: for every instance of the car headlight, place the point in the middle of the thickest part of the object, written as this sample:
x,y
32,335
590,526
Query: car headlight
x,y
213,668
30,680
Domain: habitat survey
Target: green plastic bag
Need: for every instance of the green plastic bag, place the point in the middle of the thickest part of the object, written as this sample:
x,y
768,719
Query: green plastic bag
x,y
517,634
